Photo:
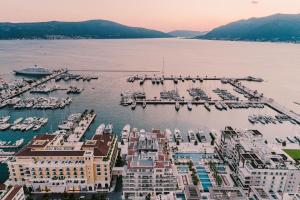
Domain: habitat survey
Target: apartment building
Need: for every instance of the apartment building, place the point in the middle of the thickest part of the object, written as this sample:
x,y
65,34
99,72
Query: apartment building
x,y
257,163
49,163
149,166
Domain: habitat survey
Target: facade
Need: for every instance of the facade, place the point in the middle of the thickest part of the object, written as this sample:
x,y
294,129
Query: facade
x,y
149,166
14,193
52,164
257,163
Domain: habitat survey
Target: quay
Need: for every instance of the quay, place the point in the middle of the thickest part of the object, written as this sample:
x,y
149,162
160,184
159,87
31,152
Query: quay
x,y
184,102
197,78
37,83
82,127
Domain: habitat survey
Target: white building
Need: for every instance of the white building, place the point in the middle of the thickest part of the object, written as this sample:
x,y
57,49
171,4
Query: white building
x,y
149,168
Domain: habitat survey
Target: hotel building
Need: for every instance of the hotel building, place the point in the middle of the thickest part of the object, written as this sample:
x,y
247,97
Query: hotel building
x,y
52,163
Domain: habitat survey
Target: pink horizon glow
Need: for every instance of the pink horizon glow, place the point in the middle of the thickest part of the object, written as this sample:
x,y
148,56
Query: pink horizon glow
x,y
164,15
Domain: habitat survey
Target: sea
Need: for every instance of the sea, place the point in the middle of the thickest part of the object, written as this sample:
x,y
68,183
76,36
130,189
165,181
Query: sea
x,y
277,63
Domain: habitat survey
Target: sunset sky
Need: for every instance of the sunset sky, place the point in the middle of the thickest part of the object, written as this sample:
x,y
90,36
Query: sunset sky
x,y
165,15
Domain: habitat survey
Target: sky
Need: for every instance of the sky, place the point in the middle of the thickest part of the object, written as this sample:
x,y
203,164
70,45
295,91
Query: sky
x,y
164,15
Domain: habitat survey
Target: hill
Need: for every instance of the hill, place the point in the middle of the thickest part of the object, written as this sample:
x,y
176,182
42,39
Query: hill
x,y
276,28
92,29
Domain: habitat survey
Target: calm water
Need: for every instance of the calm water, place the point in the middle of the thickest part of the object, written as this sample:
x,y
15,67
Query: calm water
x,y
277,64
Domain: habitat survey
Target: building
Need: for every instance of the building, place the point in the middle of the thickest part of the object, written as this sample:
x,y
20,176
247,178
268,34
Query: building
x,y
227,193
50,163
192,192
149,166
13,193
257,163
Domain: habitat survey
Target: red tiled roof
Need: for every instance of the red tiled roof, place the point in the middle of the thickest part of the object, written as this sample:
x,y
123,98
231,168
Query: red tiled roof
x,y
101,146
12,192
28,152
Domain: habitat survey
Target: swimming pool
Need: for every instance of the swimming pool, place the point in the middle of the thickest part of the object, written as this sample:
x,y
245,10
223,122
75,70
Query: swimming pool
x,y
203,177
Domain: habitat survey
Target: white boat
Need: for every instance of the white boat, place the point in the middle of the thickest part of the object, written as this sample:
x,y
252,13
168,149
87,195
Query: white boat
x,y
108,128
4,126
133,105
189,105
218,106
37,127
206,105
4,119
191,135
30,126
18,120
125,133
144,104
169,135
177,135
177,106
100,129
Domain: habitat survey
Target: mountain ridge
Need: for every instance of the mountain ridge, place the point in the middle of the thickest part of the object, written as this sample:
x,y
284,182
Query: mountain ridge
x,y
274,28
89,29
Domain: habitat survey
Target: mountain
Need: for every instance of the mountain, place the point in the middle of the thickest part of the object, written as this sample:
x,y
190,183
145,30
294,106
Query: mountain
x,y
93,29
277,28
186,33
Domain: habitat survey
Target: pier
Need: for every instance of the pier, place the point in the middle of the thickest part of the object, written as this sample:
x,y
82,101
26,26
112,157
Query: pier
x,y
37,83
82,127
188,78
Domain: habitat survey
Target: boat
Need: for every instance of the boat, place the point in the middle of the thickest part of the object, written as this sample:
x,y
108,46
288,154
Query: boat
x,y
279,140
206,105
4,119
177,135
108,129
100,129
34,71
218,106
189,105
191,135
144,104
177,106
36,127
4,126
30,126
125,133
291,140
169,135
18,120
133,105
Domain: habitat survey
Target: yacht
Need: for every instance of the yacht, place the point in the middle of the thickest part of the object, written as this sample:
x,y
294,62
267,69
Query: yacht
x,y
4,119
177,135
34,71
218,106
144,104
133,105
100,129
125,133
4,126
177,106
36,127
191,135
18,120
206,105
169,135
108,128
189,105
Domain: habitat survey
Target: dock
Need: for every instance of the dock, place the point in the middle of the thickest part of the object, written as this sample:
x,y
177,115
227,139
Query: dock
x,y
82,127
37,83
191,78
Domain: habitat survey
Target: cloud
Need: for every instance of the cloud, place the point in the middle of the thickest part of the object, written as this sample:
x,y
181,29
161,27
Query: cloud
x,y
254,2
